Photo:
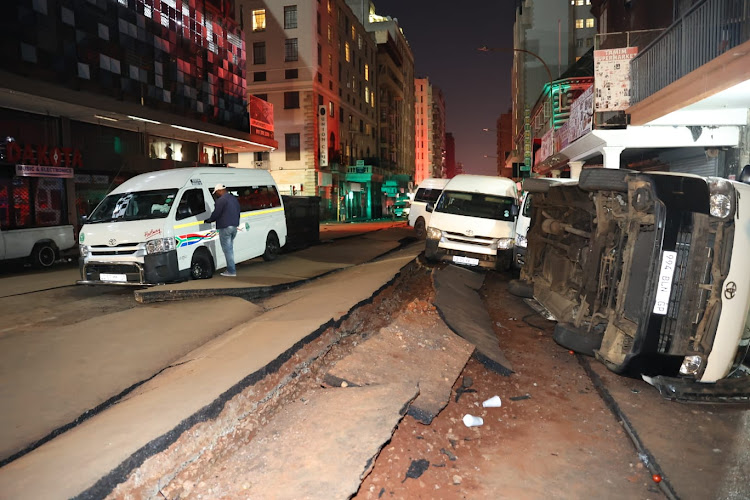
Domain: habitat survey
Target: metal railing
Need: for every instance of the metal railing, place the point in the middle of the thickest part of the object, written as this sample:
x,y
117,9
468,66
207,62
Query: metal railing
x,y
704,32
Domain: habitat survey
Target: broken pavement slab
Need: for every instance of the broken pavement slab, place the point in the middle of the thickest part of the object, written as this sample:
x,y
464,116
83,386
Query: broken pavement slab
x,y
459,303
291,458
425,352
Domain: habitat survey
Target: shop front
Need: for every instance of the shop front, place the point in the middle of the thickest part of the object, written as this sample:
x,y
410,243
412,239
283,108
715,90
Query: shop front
x,y
362,195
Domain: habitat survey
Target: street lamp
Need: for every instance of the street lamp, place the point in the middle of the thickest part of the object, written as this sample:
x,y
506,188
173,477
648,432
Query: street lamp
x,y
549,75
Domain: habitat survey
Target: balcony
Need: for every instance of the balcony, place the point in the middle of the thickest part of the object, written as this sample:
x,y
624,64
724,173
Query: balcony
x,y
703,33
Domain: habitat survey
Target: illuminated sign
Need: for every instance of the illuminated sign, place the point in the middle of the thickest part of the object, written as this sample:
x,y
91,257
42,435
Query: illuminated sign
x,y
41,154
526,140
323,135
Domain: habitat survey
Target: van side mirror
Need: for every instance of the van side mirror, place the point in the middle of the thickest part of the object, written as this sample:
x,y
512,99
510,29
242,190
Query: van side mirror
x,y
430,207
84,218
745,174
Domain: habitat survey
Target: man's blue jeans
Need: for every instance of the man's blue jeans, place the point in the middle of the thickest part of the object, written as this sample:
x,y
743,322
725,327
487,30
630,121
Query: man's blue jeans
x,y
226,238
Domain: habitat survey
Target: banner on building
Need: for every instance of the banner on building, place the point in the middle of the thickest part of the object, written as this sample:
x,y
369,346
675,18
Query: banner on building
x,y
612,78
261,117
323,135
581,115
547,149
44,171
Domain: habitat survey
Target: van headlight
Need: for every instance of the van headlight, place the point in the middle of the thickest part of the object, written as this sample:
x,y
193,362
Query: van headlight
x,y
502,244
521,241
84,250
691,365
434,233
721,199
160,245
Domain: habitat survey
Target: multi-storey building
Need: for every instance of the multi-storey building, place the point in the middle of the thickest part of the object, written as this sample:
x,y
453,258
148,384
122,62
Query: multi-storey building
x,y
315,63
423,127
548,36
95,94
450,156
504,144
395,70
438,132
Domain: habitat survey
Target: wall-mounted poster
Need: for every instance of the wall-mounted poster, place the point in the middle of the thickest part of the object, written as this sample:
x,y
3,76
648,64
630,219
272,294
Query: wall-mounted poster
x,y
612,78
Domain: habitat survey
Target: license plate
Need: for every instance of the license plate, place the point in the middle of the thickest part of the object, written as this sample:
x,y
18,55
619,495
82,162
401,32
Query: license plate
x,y
664,286
458,259
119,278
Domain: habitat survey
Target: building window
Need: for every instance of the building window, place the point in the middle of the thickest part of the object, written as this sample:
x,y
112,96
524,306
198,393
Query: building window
x,y
259,52
331,108
291,147
330,34
262,97
259,20
290,17
330,64
590,22
329,6
291,74
367,72
291,52
367,95
579,23
320,55
291,100
259,76
347,52
354,33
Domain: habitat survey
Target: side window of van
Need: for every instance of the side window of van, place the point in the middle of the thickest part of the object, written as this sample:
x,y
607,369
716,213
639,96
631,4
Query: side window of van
x,y
191,204
257,197
427,195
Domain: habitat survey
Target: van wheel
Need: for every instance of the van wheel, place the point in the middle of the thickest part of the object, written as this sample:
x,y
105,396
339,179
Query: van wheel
x,y
604,179
521,288
419,228
43,255
577,340
201,267
272,247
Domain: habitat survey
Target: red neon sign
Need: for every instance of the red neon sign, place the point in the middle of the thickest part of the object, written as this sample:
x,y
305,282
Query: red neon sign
x,y
42,155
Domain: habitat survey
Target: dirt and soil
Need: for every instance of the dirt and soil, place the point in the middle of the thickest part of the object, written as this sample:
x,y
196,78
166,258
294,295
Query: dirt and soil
x,y
553,437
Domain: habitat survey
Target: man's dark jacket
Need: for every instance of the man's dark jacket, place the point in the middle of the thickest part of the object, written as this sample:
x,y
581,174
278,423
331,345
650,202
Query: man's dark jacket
x,y
226,212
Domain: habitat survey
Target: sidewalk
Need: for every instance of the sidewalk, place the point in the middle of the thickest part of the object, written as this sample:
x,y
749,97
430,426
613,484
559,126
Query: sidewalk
x,y
193,390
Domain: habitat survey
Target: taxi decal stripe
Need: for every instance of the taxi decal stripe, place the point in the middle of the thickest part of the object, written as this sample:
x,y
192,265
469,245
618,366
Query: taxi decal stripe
x,y
246,214
193,238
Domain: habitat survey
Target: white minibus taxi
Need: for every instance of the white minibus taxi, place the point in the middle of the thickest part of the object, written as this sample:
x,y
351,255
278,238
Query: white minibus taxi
x,y
428,191
473,222
151,229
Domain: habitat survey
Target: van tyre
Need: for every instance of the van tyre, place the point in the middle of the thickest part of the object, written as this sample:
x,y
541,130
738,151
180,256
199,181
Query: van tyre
x,y
521,288
604,179
578,340
272,247
43,255
420,230
202,266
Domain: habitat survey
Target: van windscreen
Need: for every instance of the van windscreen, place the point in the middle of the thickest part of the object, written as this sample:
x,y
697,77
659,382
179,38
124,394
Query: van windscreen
x,y
485,206
140,205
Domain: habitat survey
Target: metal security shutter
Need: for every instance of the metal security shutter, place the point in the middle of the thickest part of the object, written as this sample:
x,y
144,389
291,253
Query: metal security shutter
x,y
691,161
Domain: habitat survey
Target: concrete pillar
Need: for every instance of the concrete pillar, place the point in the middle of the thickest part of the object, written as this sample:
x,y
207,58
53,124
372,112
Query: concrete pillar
x,y
575,169
612,156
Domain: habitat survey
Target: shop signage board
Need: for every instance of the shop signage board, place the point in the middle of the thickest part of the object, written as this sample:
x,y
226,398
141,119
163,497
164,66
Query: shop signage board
x,y
547,148
612,78
580,121
42,154
44,171
261,117
323,135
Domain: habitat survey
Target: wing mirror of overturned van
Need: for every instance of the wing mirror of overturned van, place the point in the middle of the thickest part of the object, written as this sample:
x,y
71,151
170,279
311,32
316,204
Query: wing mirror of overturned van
x,y
430,207
745,175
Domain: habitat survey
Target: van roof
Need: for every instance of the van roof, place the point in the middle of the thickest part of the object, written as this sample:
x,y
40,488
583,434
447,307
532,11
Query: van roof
x,y
489,184
178,177
433,182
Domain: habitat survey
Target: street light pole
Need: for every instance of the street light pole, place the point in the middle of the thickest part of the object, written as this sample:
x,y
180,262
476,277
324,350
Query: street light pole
x,y
549,75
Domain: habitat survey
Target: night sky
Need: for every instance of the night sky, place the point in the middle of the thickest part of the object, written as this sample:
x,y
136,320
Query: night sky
x,y
444,36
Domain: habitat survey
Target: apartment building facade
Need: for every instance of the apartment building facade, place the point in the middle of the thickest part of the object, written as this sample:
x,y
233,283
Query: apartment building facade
x,y
315,63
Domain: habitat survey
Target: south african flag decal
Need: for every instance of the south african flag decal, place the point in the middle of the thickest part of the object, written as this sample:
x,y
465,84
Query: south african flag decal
x,y
186,240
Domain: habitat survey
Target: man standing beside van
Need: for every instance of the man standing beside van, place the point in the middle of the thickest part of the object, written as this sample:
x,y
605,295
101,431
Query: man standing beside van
x,y
227,217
